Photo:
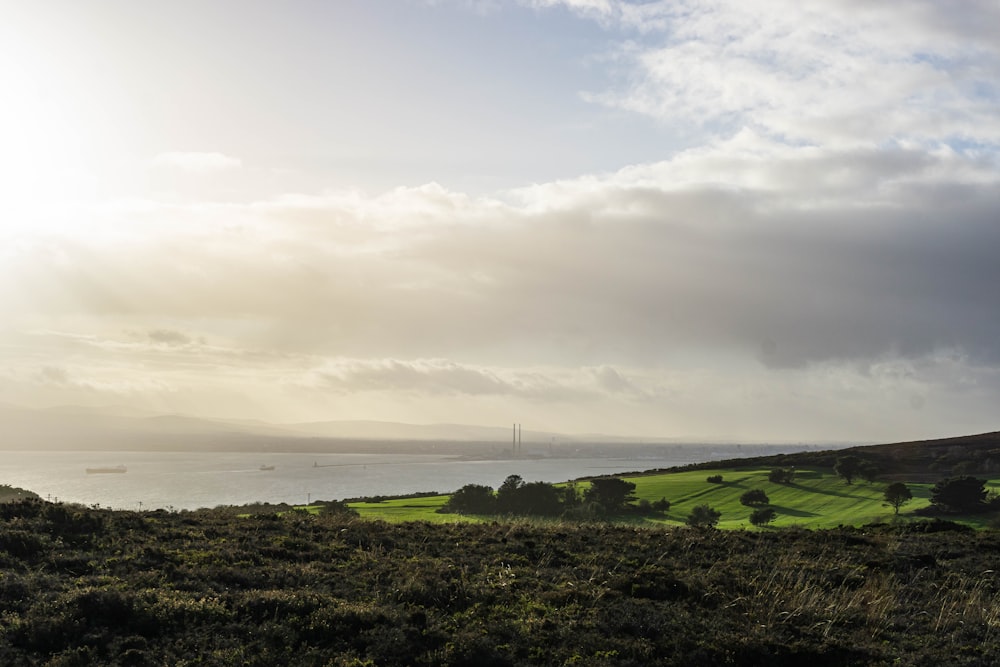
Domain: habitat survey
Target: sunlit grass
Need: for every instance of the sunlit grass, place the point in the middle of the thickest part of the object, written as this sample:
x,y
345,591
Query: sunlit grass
x,y
815,499
408,509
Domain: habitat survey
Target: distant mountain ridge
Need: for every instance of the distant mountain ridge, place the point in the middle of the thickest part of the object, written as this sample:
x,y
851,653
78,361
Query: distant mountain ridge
x,y
77,427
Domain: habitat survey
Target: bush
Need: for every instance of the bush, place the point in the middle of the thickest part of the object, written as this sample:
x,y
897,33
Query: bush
x,y
336,507
703,516
714,479
960,495
472,499
661,505
762,516
781,475
754,497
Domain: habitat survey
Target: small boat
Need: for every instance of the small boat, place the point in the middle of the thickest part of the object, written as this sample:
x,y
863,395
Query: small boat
x,y
262,468
106,470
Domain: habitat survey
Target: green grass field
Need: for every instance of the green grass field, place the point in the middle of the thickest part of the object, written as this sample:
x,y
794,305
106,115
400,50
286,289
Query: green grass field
x,y
408,509
815,499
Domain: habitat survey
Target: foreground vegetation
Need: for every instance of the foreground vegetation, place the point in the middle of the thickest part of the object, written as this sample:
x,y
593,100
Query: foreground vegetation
x,y
85,586
603,573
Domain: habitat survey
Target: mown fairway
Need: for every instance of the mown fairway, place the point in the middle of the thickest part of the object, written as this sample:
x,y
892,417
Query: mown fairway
x,y
815,499
408,509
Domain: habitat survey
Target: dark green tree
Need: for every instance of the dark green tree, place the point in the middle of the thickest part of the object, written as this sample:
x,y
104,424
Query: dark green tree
x,y
959,495
538,499
754,497
507,500
472,499
896,495
570,496
869,470
762,516
610,494
781,475
848,467
703,516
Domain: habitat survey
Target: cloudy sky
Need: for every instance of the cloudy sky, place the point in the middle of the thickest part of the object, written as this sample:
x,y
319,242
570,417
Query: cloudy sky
x,y
741,219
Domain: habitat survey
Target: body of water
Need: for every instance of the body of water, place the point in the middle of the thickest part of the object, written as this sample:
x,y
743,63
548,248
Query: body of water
x,y
183,480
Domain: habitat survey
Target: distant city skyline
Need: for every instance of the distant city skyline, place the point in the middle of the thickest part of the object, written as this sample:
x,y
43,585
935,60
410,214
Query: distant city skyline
x,y
759,220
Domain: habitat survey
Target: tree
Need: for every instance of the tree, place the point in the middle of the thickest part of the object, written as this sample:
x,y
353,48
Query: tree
x,y
762,516
703,516
538,498
848,467
896,495
534,498
781,475
754,497
610,493
959,495
472,499
570,496
507,502
869,471
714,479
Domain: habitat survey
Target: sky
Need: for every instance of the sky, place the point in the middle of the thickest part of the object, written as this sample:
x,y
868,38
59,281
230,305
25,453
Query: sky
x,y
744,220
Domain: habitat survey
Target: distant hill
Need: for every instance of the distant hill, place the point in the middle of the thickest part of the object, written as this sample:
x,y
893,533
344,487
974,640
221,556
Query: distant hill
x,y
919,459
113,428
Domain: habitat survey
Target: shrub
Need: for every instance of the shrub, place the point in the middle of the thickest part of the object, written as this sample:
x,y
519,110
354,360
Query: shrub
x,y
781,475
960,494
472,499
336,507
762,516
703,516
714,479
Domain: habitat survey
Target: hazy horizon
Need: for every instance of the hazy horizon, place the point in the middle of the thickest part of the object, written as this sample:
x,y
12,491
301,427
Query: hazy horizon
x,y
760,221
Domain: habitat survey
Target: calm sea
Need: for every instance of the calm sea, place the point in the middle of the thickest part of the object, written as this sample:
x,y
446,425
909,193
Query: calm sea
x,y
181,480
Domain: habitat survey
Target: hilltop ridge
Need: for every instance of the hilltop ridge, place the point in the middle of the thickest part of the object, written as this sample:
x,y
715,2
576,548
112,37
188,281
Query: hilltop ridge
x,y
916,460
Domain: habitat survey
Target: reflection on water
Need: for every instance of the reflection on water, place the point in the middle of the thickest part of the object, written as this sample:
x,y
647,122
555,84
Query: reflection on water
x,y
192,480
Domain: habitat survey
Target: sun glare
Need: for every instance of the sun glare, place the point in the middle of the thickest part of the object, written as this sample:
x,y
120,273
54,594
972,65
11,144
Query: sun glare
x,y
48,156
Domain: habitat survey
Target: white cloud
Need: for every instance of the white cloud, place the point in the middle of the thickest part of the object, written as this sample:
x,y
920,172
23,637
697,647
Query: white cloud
x,y
592,8
196,162
829,73
442,377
